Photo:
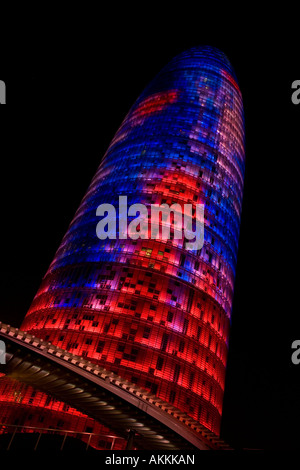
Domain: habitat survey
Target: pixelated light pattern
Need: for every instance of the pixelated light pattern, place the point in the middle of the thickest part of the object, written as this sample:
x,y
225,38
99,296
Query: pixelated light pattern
x,y
149,310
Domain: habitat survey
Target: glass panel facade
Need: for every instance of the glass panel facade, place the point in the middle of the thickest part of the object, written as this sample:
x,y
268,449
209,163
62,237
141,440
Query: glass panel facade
x,y
150,310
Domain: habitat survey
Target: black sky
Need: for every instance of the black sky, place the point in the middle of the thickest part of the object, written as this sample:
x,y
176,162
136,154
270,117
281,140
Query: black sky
x,y
67,97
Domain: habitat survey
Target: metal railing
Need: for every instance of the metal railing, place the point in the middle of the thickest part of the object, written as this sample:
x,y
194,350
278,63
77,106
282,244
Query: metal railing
x,y
15,428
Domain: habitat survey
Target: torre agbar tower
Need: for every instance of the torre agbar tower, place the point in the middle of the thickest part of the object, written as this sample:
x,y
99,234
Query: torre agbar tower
x,y
151,311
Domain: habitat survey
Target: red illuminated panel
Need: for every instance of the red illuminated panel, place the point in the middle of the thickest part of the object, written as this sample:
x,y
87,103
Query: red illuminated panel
x,y
150,106
231,80
154,104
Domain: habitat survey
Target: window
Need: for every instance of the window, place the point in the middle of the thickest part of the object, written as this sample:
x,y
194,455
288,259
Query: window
x,y
185,325
182,260
176,373
89,317
147,332
199,329
48,401
147,251
170,316
199,411
159,363
191,379
100,347
164,342
172,396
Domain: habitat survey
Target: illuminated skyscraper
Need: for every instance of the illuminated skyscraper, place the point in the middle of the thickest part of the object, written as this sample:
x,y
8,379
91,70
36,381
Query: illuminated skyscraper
x,y
152,311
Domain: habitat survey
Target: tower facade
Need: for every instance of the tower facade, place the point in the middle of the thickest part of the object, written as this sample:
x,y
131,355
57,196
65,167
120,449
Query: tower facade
x,y
147,309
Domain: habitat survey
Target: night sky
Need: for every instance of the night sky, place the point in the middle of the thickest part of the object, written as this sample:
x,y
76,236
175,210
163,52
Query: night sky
x,y
68,95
